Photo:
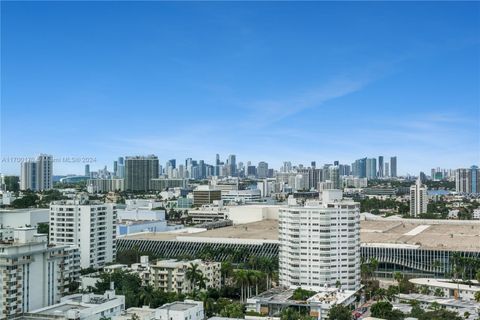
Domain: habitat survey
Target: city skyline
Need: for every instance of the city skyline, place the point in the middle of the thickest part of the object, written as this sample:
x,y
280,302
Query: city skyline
x,y
268,89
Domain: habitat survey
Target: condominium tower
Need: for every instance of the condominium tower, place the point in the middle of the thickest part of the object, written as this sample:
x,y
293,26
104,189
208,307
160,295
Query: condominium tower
x,y
33,274
37,175
418,198
467,180
393,167
139,171
320,243
89,225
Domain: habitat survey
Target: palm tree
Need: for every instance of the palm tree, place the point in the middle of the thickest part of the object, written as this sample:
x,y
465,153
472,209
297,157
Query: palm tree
x,y
147,294
398,276
193,274
226,271
241,278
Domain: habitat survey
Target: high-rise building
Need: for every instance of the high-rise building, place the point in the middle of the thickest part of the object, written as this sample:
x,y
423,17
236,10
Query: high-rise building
x,y
334,172
139,171
34,274
387,169
44,172
232,165
251,171
380,167
87,170
393,167
37,175
262,170
120,168
371,168
467,180
28,176
320,243
418,198
359,168
89,225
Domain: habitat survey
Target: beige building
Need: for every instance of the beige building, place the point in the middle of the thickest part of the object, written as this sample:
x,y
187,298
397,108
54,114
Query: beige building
x,y
170,275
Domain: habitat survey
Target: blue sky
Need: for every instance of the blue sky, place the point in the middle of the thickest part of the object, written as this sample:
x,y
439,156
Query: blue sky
x,y
266,81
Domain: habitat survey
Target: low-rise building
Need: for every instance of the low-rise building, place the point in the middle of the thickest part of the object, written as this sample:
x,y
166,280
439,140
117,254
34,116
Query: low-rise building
x,y
82,307
448,288
170,275
205,195
271,303
242,196
209,213
457,305
189,309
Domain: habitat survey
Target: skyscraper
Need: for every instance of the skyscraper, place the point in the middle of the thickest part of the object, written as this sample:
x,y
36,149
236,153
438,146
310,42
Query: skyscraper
x,y
28,176
380,166
44,172
393,167
371,168
139,171
359,168
87,170
418,198
262,170
232,165
387,169
467,180
37,175
326,249
335,177
120,168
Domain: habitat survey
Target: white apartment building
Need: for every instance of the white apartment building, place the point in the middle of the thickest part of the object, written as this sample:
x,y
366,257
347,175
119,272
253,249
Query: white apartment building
x,y
82,307
90,225
189,310
170,275
418,199
37,175
320,243
34,274
476,214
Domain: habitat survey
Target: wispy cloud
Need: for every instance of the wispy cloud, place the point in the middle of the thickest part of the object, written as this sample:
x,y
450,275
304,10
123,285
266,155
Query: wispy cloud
x,y
266,111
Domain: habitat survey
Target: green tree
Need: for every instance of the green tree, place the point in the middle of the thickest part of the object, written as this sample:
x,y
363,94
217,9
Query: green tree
x,y
339,312
233,310
477,296
292,314
441,314
195,276
438,292
302,294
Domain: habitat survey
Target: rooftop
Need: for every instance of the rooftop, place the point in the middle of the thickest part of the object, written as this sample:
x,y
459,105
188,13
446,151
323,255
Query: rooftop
x,y
178,306
266,230
431,234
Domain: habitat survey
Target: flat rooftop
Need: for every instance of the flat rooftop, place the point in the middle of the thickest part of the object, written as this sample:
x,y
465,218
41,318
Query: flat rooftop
x,y
262,230
178,306
435,234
